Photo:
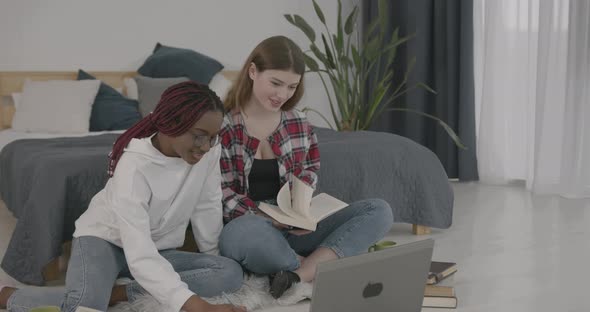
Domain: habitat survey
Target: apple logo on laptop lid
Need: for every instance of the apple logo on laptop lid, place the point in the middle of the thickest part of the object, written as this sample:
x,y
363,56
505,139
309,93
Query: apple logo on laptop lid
x,y
372,290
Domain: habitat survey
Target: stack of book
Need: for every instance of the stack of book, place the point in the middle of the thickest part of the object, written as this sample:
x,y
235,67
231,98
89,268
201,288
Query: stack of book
x,y
439,292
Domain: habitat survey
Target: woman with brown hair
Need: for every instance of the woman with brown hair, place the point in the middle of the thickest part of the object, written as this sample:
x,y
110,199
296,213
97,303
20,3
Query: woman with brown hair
x,y
265,144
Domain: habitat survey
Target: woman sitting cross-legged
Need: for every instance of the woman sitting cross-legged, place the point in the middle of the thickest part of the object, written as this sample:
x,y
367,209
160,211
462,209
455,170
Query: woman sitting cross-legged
x,y
266,143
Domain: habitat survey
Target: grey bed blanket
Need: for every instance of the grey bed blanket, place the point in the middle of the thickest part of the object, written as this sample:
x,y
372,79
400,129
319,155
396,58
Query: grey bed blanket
x,y
48,184
367,164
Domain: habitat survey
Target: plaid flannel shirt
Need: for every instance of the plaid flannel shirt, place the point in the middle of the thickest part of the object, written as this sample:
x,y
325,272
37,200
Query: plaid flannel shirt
x,y
294,144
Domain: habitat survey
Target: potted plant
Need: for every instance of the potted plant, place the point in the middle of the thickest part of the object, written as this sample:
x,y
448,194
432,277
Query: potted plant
x,y
348,65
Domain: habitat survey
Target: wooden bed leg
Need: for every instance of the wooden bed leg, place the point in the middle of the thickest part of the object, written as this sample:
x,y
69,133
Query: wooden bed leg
x,y
420,229
56,269
51,271
64,259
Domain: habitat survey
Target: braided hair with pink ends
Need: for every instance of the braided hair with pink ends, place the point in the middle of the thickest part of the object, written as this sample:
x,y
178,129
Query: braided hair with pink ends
x,y
178,110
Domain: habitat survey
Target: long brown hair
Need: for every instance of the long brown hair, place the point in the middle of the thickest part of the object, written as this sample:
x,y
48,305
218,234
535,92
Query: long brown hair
x,y
179,108
278,53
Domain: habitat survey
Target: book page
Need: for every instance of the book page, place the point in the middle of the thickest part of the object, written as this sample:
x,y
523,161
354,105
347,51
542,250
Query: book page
x,y
301,198
284,202
324,205
277,214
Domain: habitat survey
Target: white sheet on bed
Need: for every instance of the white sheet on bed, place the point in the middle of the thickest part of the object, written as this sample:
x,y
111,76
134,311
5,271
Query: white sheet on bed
x,y
10,135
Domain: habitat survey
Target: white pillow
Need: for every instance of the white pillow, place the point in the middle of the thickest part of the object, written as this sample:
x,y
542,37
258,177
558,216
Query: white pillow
x,y
56,106
220,85
131,88
16,97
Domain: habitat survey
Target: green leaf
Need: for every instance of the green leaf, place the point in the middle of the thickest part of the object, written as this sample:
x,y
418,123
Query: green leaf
x,y
396,41
339,25
379,94
355,97
372,49
331,62
319,55
304,26
395,35
387,78
452,134
356,57
370,66
411,64
311,63
346,61
424,86
290,19
340,97
340,36
409,68
447,128
391,54
319,13
351,21
372,28
339,44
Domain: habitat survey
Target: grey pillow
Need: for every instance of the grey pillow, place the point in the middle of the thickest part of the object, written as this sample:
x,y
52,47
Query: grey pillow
x,y
150,90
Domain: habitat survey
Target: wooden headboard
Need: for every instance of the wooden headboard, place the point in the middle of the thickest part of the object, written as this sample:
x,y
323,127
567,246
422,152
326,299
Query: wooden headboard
x,y
13,81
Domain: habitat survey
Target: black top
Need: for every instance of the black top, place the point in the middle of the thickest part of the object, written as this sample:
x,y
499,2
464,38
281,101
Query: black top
x,y
264,180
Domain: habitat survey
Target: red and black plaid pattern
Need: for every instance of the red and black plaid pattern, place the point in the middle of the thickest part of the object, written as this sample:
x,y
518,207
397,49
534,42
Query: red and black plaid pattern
x,y
293,142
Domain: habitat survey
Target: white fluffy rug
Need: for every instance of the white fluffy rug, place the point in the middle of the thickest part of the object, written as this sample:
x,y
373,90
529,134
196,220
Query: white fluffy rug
x,y
253,295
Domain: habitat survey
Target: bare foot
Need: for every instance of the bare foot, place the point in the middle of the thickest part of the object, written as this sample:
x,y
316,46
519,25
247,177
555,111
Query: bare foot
x,y
5,295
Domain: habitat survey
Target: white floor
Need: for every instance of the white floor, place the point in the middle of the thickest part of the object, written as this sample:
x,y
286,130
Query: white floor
x,y
515,251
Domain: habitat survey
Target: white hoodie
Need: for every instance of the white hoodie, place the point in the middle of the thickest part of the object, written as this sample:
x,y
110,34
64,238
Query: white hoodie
x,y
146,207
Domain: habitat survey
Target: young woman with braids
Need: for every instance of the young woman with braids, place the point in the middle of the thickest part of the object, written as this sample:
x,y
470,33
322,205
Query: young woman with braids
x,y
265,143
164,172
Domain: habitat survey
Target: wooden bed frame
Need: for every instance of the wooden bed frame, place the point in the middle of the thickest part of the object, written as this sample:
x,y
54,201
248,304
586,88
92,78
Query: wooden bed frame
x,y
13,81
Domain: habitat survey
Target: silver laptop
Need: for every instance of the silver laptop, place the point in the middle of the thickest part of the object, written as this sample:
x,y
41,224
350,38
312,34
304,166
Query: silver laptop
x,y
387,280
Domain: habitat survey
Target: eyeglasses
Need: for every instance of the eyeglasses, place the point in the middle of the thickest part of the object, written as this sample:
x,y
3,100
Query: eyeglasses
x,y
201,140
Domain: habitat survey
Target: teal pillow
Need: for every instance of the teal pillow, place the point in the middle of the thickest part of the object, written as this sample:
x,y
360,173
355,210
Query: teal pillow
x,y
111,110
171,62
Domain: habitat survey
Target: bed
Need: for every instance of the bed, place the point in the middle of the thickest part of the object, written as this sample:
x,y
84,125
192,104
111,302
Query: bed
x,y
47,180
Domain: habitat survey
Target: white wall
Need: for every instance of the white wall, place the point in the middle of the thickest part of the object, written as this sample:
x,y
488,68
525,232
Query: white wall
x,y
118,35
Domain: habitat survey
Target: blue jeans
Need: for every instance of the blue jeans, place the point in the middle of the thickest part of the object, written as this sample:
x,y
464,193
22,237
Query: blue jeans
x,y
95,264
263,249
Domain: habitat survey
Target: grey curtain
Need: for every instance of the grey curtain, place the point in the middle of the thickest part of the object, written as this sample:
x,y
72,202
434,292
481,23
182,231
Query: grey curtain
x,y
443,47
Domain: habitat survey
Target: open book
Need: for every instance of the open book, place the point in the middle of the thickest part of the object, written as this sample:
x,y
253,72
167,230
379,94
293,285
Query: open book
x,y
297,208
